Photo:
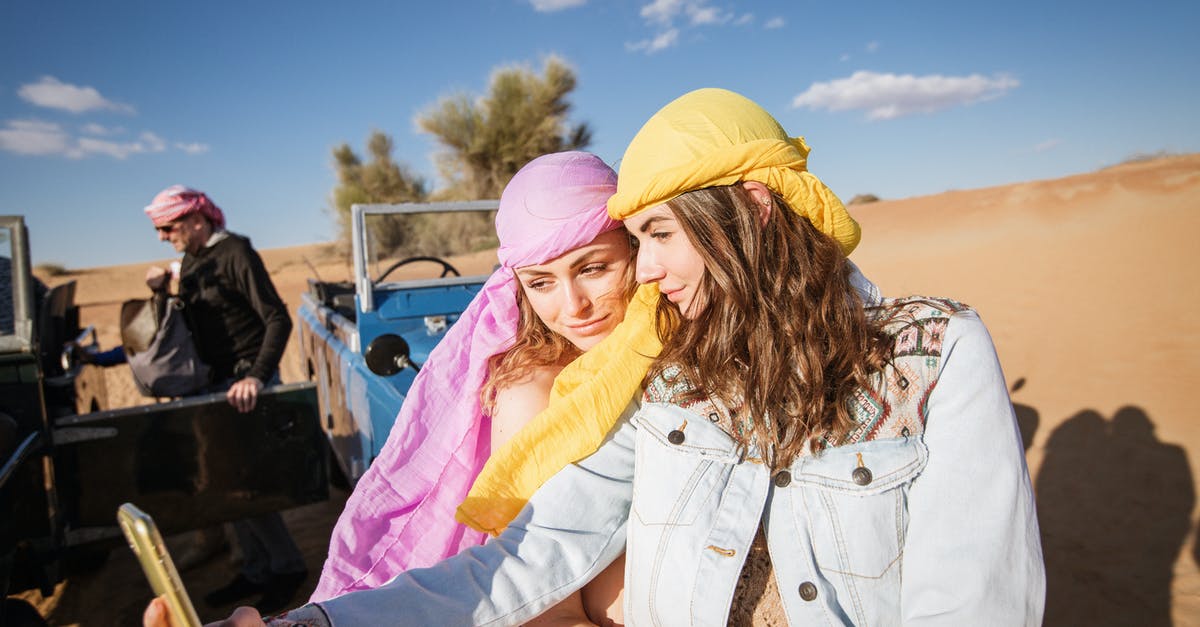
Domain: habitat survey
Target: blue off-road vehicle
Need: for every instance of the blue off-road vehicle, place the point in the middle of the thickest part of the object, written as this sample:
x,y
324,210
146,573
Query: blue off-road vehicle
x,y
363,341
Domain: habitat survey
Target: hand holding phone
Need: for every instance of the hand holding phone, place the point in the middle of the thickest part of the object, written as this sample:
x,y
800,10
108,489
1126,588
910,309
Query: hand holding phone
x,y
148,546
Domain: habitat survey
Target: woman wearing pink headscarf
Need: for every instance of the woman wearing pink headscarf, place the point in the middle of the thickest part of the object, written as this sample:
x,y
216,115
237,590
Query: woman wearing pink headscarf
x,y
564,279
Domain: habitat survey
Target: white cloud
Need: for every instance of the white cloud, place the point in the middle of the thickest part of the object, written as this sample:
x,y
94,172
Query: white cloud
x,y
661,41
52,93
662,11
698,12
1049,144
31,137
845,57
550,6
146,143
91,128
91,145
872,46
775,22
37,138
700,15
152,142
193,148
670,17
888,96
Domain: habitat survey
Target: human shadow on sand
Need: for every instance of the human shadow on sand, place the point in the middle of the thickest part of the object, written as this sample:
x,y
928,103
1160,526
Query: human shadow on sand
x,y
1027,417
1114,504
1196,545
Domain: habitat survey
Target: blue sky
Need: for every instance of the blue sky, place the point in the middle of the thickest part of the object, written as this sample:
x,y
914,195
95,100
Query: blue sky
x,y
102,104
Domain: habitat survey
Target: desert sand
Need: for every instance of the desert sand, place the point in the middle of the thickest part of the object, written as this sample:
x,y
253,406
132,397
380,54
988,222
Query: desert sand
x,y
1083,284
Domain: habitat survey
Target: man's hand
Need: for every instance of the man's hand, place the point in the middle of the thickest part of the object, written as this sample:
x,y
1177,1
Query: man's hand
x,y
156,277
244,394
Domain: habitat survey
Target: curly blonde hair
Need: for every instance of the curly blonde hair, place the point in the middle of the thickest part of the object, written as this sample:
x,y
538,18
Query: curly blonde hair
x,y
536,346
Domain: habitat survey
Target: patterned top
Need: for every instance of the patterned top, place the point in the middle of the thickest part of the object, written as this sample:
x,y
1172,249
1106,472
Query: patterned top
x,y
895,408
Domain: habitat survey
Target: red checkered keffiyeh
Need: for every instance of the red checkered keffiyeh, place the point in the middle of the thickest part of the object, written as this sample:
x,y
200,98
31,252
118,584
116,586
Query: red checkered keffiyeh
x,y
178,201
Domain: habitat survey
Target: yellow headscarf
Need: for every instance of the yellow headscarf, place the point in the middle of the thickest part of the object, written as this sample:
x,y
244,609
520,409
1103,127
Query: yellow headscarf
x,y
711,137
705,138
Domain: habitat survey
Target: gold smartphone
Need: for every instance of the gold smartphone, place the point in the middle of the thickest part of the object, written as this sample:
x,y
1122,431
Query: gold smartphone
x,y
147,545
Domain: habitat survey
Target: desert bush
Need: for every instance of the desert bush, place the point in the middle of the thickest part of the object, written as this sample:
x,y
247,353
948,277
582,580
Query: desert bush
x,y
51,269
862,199
1140,157
380,180
437,234
486,139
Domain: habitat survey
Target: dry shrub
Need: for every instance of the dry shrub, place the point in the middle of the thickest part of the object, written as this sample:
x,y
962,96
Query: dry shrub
x,y
436,234
50,269
863,199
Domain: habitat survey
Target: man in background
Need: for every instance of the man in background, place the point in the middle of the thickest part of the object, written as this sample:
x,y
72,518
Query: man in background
x,y
240,327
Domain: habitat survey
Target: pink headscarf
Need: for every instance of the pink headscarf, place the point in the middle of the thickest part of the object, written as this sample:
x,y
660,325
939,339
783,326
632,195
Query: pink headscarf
x,y
401,514
177,201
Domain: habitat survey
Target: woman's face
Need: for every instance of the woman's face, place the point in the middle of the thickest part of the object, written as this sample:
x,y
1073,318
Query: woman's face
x,y
666,255
580,295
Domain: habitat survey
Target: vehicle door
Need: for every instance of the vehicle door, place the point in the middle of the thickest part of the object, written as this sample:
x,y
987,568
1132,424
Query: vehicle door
x,y
191,463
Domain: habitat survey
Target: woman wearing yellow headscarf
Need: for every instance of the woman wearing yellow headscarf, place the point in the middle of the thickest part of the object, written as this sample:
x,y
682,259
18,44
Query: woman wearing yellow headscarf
x,y
707,138
804,451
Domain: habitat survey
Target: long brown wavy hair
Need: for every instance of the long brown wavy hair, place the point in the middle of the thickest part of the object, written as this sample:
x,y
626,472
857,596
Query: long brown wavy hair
x,y
782,338
536,346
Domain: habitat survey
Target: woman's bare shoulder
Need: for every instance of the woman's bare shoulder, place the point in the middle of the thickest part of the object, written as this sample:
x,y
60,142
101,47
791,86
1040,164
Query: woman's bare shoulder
x,y
518,403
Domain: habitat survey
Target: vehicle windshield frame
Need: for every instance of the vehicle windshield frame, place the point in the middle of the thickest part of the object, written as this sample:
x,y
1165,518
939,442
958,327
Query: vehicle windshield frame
x,y
21,340
364,285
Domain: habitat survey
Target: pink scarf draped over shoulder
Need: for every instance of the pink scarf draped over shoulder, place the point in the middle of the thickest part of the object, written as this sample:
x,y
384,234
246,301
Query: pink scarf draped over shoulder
x,y
401,513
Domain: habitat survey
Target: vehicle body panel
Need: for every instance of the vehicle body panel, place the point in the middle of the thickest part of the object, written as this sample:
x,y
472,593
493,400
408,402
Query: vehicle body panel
x,y
339,321
193,462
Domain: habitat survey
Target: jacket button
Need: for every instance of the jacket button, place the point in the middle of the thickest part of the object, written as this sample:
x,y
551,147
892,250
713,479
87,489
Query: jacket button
x,y
861,475
783,479
808,591
675,437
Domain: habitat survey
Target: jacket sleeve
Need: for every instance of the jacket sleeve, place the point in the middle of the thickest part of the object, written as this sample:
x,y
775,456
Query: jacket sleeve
x,y
254,281
572,528
973,553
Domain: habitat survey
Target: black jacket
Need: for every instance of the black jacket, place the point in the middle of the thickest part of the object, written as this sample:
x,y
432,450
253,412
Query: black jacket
x,y
240,324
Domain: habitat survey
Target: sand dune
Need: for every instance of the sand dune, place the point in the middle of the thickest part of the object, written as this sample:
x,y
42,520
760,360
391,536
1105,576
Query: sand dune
x,y
1085,285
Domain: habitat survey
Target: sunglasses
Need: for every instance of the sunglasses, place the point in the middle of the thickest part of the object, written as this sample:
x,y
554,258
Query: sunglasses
x,y
167,228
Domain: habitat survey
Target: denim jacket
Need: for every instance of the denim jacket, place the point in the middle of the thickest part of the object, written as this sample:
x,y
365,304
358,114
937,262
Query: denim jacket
x,y
939,529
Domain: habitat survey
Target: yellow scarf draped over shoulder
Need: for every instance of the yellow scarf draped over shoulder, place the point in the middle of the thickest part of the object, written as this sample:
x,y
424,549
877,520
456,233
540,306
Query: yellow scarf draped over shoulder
x,y
588,397
705,138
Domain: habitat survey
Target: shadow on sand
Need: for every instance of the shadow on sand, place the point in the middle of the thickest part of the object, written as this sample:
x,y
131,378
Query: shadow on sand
x,y
1114,504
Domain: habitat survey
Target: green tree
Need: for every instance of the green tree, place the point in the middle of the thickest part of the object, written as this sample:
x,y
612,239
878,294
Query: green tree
x,y
486,140
380,180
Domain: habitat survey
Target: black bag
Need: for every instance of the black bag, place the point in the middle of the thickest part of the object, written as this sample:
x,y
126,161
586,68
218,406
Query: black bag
x,y
160,349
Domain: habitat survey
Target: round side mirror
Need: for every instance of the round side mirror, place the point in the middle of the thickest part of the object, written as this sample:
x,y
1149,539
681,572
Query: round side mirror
x,y
388,354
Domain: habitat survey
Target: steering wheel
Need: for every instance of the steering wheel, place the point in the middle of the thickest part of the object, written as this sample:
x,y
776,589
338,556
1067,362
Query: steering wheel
x,y
446,267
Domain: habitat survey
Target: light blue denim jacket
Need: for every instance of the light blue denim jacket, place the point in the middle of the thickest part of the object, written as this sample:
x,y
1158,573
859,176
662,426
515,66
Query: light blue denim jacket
x,y
944,532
